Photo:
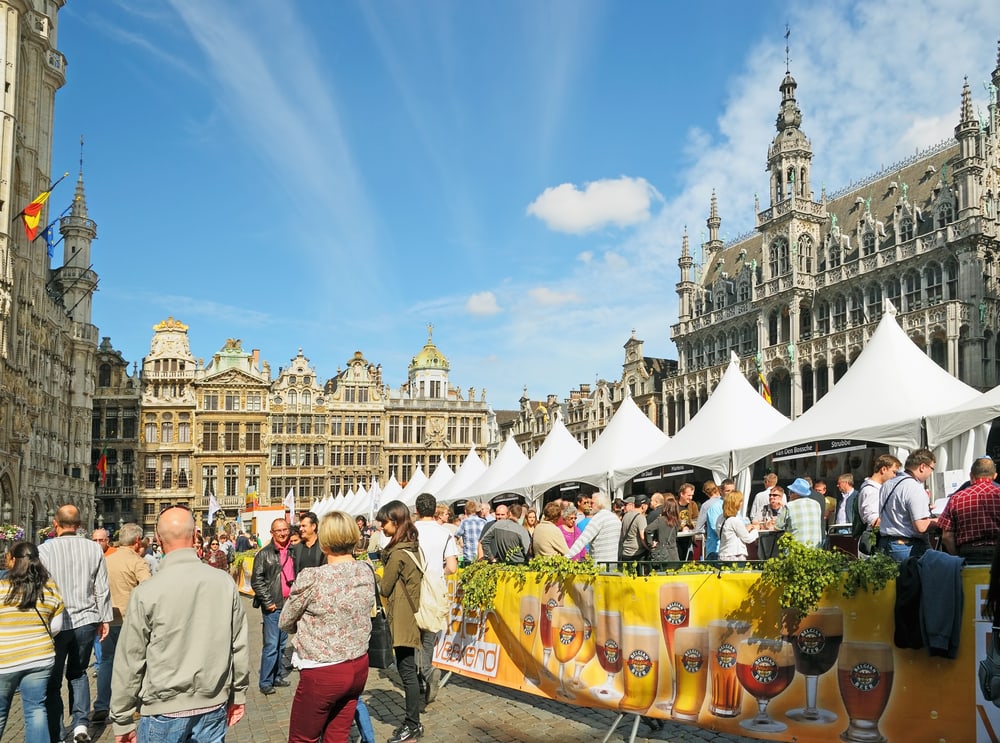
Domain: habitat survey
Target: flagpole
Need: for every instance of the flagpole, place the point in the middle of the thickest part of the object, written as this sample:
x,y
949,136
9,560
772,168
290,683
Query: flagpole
x,y
49,189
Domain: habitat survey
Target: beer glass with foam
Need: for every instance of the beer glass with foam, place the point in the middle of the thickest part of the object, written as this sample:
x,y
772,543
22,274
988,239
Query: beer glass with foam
x,y
552,596
690,672
675,611
567,639
641,657
864,673
609,654
528,631
816,641
764,668
583,596
724,636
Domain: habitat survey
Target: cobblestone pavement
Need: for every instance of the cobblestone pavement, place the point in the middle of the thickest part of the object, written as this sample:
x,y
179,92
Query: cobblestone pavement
x,y
465,711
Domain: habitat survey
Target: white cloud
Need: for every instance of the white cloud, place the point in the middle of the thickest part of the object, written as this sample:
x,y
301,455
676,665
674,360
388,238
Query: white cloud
x,y
482,303
550,297
620,201
586,256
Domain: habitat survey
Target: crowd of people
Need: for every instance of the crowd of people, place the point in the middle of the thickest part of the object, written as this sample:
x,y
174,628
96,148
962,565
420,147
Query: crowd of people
x,y
73,596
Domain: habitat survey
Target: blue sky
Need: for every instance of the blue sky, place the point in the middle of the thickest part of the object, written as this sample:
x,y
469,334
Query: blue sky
x,y
334,176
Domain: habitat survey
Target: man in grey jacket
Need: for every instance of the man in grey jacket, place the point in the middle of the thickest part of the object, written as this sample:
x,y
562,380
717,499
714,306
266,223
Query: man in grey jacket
x,y
187,677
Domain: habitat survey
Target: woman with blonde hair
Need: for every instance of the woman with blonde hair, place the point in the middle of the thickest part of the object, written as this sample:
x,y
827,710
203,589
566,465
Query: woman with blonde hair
x,y
329,616
734,534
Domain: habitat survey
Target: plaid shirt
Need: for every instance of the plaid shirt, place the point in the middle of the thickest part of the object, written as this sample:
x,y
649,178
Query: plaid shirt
x,y
805,521
973,515
469,531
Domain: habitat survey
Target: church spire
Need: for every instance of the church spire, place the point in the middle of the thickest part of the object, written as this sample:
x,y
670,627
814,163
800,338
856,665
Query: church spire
x,y
790,155
713,221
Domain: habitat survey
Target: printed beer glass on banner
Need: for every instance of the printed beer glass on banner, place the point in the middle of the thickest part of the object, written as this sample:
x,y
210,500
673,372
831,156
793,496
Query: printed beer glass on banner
x,y
765,668
690,672
675,611
609,654
864,673
583,596
816,641
724,636
567,639
552,597
641,656
530,610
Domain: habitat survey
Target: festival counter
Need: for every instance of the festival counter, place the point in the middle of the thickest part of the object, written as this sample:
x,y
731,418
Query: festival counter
x,y
707,649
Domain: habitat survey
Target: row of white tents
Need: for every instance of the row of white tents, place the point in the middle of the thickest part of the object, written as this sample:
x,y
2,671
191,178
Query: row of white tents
x,y
892,395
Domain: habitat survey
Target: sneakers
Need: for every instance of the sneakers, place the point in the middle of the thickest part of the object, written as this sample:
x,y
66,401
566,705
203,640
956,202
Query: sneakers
x,y
433,685
267,690
406,732
81,734
282,682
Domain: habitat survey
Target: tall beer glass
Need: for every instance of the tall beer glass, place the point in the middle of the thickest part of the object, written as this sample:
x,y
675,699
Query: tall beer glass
x,y
765,668
864,673
567,639
690,672
583,597
609,654
816,642
641,651
724,635
528,632
675,611
552,596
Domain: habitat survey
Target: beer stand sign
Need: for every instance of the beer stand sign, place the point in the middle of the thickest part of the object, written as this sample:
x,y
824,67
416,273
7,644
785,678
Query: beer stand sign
x,y
705,649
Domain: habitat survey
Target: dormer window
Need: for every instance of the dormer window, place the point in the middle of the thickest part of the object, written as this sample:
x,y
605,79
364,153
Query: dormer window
x,y
906,229
868,243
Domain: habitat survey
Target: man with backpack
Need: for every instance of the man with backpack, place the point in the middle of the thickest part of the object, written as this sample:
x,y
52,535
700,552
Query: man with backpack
x,y
904,509
440,556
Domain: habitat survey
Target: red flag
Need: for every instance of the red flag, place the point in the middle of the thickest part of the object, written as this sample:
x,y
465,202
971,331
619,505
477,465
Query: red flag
x,y
32,215
102,466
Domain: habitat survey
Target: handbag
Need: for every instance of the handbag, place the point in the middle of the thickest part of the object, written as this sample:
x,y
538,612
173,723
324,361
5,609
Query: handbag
x,y
380,653
989,670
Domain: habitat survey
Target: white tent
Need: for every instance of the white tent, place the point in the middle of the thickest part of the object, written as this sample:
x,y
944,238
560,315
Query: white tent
x,y
943,427
557,451
469,471
628,437
391,491
883,397
412,489
508,463
442,476
735,415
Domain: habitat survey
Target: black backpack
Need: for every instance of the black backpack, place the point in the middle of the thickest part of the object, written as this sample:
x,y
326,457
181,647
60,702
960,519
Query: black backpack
x,y
858,525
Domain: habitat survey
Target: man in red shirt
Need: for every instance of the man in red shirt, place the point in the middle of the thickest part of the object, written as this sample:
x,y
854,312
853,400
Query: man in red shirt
x,y
970,522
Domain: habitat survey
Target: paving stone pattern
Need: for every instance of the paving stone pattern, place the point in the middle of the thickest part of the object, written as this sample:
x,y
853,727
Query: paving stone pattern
x,y
465,711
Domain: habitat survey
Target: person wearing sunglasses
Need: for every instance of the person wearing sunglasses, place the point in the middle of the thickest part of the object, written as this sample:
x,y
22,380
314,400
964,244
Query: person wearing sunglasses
x,y
271,580
216,556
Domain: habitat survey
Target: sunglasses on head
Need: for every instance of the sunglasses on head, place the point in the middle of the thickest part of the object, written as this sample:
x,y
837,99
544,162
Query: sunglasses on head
x,y
185,506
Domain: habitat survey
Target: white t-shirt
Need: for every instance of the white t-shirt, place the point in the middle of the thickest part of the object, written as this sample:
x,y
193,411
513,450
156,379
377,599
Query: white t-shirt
x,y
436,544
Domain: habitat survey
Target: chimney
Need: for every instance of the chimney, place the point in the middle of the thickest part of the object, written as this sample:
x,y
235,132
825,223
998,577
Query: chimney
x,y
256,358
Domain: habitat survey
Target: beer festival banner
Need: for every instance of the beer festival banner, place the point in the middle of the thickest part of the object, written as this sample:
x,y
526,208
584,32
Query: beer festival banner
x,y
709,649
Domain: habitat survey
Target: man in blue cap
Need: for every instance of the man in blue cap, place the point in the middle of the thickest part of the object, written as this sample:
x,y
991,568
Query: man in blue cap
x,y
805,516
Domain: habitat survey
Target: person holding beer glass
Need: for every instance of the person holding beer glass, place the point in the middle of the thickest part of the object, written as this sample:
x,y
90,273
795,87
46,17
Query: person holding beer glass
x,y
815,639
765,668
734,535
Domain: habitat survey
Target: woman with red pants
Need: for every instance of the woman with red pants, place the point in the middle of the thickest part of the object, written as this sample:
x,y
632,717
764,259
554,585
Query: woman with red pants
x,y
329,612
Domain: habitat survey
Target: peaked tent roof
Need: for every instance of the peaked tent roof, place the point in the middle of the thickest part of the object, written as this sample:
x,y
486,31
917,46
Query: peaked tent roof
x,y
558,450
735,415
628,437
469,471
508,463
439,478
412,489
882,397
943,427
391,491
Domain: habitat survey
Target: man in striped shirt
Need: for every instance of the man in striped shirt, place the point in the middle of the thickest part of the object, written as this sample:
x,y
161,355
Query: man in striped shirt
x,y
77,566
601,533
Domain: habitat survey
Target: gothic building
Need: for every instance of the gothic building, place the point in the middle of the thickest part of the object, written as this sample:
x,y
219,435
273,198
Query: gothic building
x,y
115,437
798,298
47,341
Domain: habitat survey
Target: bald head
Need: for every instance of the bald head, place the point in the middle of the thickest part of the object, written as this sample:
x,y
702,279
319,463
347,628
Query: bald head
x,y
67,517
175,528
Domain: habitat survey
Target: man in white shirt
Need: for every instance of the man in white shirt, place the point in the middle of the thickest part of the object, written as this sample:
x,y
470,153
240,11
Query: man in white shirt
x,y
601,533
762,499
884,468
440,553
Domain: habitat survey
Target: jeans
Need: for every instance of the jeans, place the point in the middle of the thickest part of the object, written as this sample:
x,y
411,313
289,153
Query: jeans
x,y
428,640
406,664
73,649
274,645
325,701
900,552
209,727
364,722
32,683
107,646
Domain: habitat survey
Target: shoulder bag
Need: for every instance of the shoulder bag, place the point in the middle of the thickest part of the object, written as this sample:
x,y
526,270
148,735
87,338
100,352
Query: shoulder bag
x,y
989,670
380,642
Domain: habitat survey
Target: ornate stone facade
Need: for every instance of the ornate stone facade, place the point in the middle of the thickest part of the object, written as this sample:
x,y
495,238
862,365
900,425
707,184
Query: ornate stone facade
x,y
115,435
47,341
800,296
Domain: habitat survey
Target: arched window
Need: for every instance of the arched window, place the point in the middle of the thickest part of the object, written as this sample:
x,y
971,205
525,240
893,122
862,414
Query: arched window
x,y
932,280
720,349
805,322
720,297
945,214
699,355
823,318
306,398
778,257
743,291
892,292
839,312
906,229
104,376
951,278
772,328
874,302
709,303
868,243
833,256
734,341
912,296
857,307
748,338
806,253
